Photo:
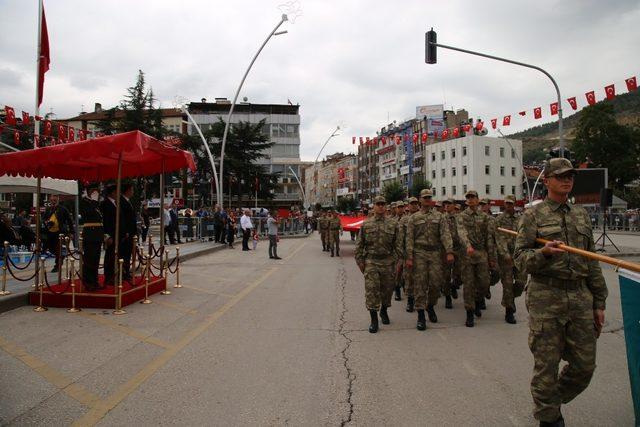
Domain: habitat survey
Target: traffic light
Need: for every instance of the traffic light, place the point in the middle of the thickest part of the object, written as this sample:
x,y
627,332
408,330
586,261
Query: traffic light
x,y
430,47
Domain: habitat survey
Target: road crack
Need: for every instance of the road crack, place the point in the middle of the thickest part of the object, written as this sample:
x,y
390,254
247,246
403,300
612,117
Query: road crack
x,y
351,376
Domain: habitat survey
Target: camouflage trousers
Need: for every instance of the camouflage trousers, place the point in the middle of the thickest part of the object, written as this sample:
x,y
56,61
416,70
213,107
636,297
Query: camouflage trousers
x,y
407,277
379,282
324,236
475,278
511,289
334,240
452,274
428,276
560,328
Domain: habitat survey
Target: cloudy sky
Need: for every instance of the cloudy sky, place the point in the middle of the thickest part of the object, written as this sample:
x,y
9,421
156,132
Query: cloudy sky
x,y
353,62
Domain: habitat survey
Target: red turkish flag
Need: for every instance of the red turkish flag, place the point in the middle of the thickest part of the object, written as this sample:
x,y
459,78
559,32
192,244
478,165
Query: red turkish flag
x,y
632,84
82,134
45,58
554,108
398,139
72,134
456,132
25,118
445,134
384,140
572,101
591,97
47,128
610,91
61,132
424,137
480,126
506,121
10,117
523,113
494,123
415,137
16,137
537,112
353,139
467,128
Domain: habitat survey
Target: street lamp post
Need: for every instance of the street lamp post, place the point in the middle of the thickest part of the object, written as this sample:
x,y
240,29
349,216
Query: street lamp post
x,y
275,31
304,195
334,133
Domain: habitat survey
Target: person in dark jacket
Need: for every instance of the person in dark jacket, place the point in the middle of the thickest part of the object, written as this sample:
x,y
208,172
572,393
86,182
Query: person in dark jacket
x,y
146,222
92,236
108,209
129,229
175,226
56,221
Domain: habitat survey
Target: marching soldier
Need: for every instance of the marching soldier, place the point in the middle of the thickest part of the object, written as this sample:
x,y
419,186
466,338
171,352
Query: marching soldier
x,y
323,226
452,272
494,275
335,228
376,252
475,230
399,213
92,236
505,245
565,295
427,238
407,275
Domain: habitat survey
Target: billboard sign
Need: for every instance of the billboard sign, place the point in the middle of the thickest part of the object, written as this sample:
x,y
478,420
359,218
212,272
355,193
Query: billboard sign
x,y
435,125
430,112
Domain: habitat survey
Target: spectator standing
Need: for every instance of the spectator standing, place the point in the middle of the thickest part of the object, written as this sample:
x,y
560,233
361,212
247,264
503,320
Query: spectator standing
x,y
188,214
231,229
168,227
272,231
217,224
247,227
174,222
146,222
57,220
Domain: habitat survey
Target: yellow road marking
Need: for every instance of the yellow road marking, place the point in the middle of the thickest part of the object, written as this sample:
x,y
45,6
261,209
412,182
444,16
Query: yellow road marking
x,y
66,385
205,291
177,307
101,408
125,330
298,249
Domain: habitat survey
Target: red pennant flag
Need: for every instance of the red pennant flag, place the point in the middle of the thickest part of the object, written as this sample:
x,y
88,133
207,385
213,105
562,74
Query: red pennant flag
x,y
610,91
25,118
591,97
44,60
523,113
572,101
16,137
61,133
467,128
632,84
424,137
554,108
47,128
537,112
445,134
415,137
72,134
506,121
494,123
10,117
456,132
480,125
353,139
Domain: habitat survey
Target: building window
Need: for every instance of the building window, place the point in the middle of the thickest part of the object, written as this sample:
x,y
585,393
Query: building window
x,y
453,190
444,173
464,170
433,174
513,171
464,150
513,153
464,188
502,190
501,170
453,153
442,155
434,191
453,171
487,150
433,157
501,151
513,190
487,189
444,191
487,170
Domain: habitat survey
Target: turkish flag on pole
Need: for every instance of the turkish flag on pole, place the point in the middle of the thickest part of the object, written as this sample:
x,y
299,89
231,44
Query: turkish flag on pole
x,y
10,115
44,58
479,125
506,121
398,139
572,101
537,112
456,132
494,123
384,140
415,137
554,108
591,97
610,91
72,134
632,84
47,128
424,137
25,118
61,132
445,134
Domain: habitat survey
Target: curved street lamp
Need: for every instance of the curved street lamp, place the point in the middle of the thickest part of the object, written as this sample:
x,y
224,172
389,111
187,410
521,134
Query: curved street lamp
x,y
334,133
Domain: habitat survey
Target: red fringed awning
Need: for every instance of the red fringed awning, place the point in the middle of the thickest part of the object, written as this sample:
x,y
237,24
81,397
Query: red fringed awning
x,y
97,159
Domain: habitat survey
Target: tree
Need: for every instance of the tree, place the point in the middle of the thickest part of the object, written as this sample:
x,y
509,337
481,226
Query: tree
x,y
607,144
419,184
346,204
393,191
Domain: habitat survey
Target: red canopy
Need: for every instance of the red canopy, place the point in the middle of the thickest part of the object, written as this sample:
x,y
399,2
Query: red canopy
x,y
97,159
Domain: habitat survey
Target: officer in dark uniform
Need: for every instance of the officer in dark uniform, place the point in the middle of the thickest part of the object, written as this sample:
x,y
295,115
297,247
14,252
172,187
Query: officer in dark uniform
x,y
92,236
108,209
128,229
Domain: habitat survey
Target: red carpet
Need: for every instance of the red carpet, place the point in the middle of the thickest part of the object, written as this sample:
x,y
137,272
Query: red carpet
x,y
104,298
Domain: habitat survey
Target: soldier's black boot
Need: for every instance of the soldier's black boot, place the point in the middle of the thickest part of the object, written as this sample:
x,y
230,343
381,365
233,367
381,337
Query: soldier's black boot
x,y
373,327
454,292
448,303
483,304
488,296
337,252
469,321
478,311
398,294
331,250
508,317
432,314
422,322
384,316
557,423
410,302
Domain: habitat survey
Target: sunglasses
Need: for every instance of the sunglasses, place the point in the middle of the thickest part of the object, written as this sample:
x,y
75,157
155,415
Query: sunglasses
x,y
380,203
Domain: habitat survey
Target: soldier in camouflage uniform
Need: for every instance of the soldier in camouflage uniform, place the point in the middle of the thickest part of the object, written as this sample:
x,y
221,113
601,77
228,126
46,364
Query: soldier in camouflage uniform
x,y
335,228
407,275
428,239
323,226
452,273
399,213
376,255
494,273
505,244
565,295
474,230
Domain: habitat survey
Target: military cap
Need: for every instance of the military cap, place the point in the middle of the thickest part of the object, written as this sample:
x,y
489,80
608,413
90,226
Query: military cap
x,y
413,200
471,193
457,206
426,193
554,167
438,204
449,201
509,199
379,199
484,201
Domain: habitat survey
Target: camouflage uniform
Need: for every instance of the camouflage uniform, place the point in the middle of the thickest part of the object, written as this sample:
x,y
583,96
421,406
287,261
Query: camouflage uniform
x,y
335,227
428,238
562,293
407,275
376,247
453,273
323,226
505,244
474,229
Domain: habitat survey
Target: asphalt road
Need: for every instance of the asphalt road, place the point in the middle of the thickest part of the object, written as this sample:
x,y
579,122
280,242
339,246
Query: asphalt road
x,y
253,341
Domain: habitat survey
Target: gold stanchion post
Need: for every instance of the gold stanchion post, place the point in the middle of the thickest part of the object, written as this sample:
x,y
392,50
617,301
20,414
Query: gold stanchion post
x,y
73,308
66,258
40,307
177,285
164,268
134,258
80,256
5,260
150,237
119,309
58,257
146,273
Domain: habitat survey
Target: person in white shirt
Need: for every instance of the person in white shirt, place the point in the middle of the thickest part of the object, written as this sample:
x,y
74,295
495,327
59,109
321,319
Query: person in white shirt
x,y
168,230
247,227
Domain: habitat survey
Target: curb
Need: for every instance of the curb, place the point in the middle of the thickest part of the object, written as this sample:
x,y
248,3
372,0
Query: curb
x,y
621,254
